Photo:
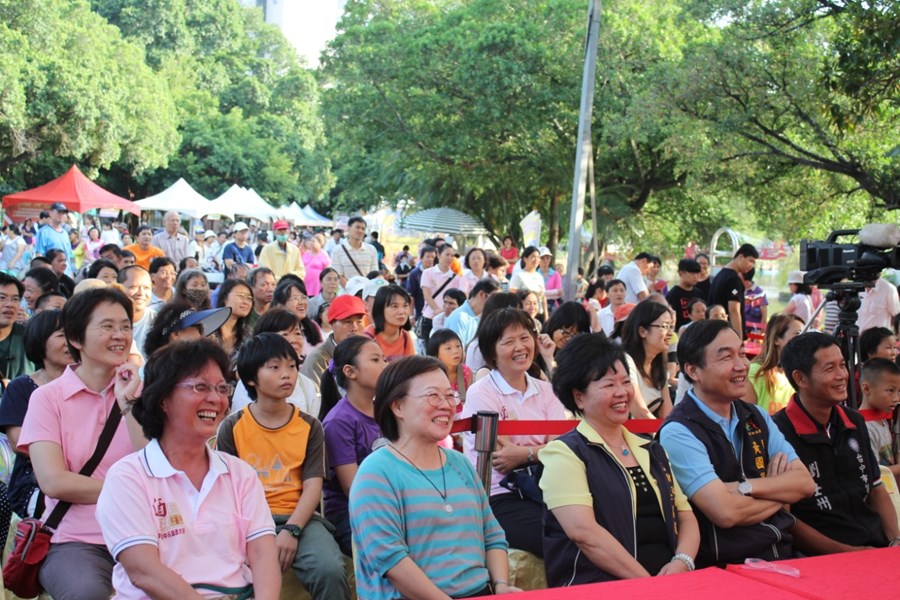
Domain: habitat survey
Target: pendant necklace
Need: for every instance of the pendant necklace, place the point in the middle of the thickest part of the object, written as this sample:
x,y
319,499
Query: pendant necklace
x,y
447,508
623,449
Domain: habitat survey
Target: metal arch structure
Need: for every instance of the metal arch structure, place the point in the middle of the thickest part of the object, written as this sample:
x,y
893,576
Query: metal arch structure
x,y
715,253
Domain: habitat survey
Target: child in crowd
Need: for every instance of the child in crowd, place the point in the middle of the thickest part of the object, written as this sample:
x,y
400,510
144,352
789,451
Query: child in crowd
x,y
697,312
286,447
350,427
453,299
447,348
880,386
877,342
716,312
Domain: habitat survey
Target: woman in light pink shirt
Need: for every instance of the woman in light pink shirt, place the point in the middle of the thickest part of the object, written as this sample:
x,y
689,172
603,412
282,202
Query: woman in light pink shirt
x,y
315,260
182,520
61,431
508,341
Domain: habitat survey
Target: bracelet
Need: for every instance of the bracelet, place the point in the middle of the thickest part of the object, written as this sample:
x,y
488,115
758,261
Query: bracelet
x,y
530,454
687,560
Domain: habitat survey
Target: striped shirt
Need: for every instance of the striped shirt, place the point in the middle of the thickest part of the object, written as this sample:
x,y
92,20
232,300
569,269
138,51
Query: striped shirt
x,y
395,513
366,258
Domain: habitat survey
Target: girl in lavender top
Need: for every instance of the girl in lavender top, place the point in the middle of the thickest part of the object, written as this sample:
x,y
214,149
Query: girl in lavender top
x,y
350,427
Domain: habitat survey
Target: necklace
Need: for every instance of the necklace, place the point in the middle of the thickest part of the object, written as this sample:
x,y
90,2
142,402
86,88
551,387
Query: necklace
x,y
447,507
623,448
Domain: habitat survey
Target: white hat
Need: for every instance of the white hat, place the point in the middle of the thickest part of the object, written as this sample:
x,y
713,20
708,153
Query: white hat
x,y
795,277
544,251
372,287
355,285
209,233
240,226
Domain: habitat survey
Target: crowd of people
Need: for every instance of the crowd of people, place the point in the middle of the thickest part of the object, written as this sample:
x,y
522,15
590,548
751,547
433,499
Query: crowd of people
x,y
299,413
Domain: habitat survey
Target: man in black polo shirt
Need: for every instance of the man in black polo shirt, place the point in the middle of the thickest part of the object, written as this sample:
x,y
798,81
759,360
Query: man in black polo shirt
x,y
850,508
727,288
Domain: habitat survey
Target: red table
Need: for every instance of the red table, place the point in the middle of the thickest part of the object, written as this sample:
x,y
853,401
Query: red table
x,y
870,574
699,585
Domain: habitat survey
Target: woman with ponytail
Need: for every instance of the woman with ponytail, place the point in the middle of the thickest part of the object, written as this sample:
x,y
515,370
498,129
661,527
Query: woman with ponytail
x,y
350,427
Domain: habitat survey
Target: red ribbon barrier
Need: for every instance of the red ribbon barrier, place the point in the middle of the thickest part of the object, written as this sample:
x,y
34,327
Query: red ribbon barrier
x,y
552,427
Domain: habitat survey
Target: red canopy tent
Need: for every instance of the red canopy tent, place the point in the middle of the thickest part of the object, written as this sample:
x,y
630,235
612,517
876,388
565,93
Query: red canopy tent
x,y
73,189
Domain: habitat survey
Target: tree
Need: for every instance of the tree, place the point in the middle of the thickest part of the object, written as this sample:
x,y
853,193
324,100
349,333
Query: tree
x,y
75,91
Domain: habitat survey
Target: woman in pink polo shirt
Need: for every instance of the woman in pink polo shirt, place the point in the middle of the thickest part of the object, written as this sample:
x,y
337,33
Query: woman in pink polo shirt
x,y
508,341
61,431
183,520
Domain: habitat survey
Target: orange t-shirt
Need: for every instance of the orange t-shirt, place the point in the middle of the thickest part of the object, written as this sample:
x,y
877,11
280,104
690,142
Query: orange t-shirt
x,y
404,345
143,257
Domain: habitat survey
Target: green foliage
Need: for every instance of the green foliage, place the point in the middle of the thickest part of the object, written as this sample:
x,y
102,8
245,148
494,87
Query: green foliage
x,y
74,89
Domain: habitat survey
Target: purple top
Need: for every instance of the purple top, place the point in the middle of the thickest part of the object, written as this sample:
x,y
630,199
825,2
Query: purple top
x,y
349,435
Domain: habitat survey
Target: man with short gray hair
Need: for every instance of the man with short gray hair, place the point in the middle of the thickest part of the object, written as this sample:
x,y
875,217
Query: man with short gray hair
x,y
170,240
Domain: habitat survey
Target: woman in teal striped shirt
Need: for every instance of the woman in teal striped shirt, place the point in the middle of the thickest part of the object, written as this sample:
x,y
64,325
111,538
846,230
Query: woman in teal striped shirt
x,y
422,524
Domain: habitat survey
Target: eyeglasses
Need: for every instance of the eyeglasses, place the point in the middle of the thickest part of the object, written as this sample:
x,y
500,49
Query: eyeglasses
x,y
4,299
437,399
664,326
243,296
109,329
202,388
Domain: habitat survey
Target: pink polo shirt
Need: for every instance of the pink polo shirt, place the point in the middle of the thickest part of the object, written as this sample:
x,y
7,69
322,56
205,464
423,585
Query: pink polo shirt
x,y
200,534
67,413
433,279
493,393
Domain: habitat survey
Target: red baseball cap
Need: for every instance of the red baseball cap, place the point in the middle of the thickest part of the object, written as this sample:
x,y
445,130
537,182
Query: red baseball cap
x,y
344,307
281,225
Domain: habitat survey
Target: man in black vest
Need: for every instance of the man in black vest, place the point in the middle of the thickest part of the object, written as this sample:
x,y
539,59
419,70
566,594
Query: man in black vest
x,y
728,456
850,509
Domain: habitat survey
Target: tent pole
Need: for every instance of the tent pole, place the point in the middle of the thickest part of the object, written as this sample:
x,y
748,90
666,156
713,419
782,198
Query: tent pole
x,y
583,153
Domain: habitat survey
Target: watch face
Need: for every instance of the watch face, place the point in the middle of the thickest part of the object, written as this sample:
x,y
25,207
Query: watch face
x,y
745,488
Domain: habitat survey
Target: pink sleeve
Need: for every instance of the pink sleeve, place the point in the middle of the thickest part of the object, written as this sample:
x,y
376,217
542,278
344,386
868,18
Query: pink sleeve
x,y
124,508
427,279
42,421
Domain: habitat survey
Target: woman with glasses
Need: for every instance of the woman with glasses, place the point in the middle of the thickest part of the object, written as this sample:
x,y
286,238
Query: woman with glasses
x,y
508,341
567,321
61,432
291,294
182,520
646,338
418,510
614,510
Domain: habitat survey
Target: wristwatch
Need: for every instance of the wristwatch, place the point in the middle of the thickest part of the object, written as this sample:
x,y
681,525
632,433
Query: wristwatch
x,y
530,454
745,488
294,530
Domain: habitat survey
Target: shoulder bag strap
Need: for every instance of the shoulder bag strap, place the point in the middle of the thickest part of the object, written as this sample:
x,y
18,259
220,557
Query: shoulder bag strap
x,y
355,266
441,289
106,436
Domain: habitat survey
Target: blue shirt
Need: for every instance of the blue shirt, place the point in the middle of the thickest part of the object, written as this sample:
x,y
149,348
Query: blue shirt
x,y
464,322
239,255
49,238
395,513
689,458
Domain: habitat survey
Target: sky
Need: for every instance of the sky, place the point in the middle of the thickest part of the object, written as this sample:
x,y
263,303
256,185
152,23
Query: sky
x,y
310,24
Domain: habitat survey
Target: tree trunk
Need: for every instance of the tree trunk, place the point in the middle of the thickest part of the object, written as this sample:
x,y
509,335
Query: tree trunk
x,y
553,227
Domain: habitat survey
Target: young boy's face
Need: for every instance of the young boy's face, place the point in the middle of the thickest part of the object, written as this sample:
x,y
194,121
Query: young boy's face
x,y
886,349
698,311
688,280
276,379
883,393
450,305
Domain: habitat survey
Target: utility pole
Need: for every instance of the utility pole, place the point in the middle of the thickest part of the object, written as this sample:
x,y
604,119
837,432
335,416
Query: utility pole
x,y
583,152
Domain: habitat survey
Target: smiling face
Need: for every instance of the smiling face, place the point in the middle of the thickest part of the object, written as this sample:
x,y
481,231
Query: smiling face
x,y
658,335
107,337
297,303
723,377
514,352
416,417
144,238
138,288
532,261
56,351
240,300
531,305
827,381
193,415
9,304
608,399
357,231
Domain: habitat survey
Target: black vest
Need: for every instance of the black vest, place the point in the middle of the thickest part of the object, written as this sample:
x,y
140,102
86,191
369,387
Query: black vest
x,y
608,483
770,539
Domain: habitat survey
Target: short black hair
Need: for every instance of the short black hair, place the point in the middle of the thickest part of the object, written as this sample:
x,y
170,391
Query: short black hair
x,y
325,272
876,368
127,253
593,287
52,253
492,326
799,354
394,383
276,320
644,256
748,250
426,249
114,248
80,308
383,297
526,253
870,339
614,282
141,229
694,302
183,263
312,335
100,264
258,350
6,279
439,338
486,285
688,265
693,342
159,262
39,329
750,275
167,368
255,272
456,294
45,298
584,359
354,220
568,314
45,278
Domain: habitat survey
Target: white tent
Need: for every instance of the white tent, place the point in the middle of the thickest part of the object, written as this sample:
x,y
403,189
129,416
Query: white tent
x,y
255,206
294,214
239,201
226,204
320,221
179,196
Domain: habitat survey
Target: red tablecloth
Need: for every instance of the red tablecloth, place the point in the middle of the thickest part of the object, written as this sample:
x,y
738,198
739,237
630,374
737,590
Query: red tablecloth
x,y
869,575
702,584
